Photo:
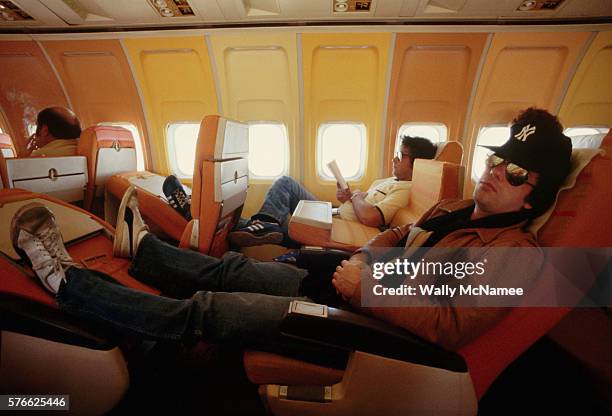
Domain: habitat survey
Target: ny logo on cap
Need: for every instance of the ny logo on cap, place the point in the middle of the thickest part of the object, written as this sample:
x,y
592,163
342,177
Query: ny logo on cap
x,y
525,132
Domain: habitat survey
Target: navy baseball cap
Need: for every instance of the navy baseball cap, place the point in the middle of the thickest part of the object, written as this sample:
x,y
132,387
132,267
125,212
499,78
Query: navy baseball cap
x,y
538,146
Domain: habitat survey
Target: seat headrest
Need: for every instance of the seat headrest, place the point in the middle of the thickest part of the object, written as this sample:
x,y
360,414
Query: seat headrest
x,y
105,136
221,139
449,152
579,161
588,141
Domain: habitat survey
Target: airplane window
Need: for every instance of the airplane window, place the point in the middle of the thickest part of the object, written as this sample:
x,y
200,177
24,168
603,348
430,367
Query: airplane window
x,y
140,165
344,142
268,150
182,139
436,132
490,135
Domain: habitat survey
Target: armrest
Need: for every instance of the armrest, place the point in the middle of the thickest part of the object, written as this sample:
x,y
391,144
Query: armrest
x,y
346,330
28,317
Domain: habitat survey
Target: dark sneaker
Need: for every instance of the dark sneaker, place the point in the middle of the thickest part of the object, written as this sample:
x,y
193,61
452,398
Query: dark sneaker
x,y
37,239
177,197
131,228
257,233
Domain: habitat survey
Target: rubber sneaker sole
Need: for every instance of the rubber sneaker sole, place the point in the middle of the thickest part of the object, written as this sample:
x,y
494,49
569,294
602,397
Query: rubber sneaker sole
x,y
246,239
122,244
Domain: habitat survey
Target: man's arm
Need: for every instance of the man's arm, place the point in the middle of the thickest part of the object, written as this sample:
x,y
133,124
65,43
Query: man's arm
x,y
445,325
367,213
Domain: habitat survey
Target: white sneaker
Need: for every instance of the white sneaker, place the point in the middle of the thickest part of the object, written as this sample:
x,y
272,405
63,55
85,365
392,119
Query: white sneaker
x,y
37,239
131,228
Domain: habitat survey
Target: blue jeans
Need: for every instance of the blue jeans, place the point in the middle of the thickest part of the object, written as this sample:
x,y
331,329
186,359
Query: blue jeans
x,y
233,299
280,201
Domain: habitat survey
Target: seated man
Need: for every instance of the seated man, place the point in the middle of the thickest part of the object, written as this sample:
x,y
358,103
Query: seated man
x,y
520,182
375,208
57,132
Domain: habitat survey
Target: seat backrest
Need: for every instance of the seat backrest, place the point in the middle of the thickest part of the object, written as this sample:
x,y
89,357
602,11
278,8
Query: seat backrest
x,y
606,143
63,177
449,152
580,219
432,181
220,181
109,150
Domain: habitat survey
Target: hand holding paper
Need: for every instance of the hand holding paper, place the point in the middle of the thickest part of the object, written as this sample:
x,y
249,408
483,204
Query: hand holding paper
x,y
333,166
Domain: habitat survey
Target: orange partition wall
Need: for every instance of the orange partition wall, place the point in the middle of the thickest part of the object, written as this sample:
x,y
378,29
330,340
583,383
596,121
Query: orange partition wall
x,y
98,80
344,80
589,98
521,70
258,81
177,85
431,81
27,85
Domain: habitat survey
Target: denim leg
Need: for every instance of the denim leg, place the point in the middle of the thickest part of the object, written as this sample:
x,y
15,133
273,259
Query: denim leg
x,y
249,319
282,198
180,273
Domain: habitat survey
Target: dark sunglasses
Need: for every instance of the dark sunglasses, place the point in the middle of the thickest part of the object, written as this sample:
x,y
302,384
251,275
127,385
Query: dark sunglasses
x,y
515,175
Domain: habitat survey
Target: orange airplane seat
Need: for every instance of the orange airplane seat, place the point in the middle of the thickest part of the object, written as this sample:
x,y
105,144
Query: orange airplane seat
x,y
220,181
449,152
162,219
109,150
432,181
418,378
63,177
44,350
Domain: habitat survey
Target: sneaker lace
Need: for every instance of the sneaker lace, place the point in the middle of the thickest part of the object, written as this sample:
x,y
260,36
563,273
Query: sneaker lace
x,y
52,242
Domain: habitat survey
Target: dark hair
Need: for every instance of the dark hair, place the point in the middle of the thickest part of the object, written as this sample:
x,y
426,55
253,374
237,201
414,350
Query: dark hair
x,y
543,194
420,148
61,122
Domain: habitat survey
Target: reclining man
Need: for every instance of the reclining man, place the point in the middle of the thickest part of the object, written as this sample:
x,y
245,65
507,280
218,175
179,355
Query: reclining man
x,y
238,300
375,208
57,133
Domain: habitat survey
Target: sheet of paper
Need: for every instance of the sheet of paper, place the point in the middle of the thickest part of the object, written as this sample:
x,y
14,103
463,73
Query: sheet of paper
x,y
333,166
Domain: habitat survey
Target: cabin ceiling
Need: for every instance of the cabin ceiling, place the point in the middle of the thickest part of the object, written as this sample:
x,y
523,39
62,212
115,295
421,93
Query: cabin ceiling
x,y
104,14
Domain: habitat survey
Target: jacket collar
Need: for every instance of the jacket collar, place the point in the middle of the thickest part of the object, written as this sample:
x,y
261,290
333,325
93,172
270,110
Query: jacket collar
x,y
486,234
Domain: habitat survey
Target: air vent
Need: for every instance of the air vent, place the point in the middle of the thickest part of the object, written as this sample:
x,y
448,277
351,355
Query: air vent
x,y
444,6
352,6
172,8
535,5
10,12
261,7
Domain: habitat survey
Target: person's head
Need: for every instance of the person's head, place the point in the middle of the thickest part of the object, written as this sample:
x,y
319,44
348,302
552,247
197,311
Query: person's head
x,y
410,149
57,123
525,172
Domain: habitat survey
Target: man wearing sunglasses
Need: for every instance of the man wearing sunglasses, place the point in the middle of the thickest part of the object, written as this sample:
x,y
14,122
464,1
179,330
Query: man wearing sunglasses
x,y
374,208
238,300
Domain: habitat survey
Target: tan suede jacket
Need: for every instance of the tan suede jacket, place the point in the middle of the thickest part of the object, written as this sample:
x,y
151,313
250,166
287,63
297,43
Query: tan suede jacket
x,y
452,327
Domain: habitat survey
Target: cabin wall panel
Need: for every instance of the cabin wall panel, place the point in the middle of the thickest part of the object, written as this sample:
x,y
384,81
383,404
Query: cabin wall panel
x,y
521,70
258,81
432,79
177,84
27,85
99,82
589,98
345,78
